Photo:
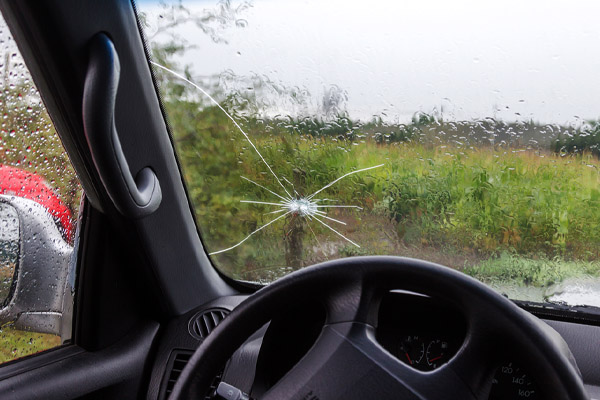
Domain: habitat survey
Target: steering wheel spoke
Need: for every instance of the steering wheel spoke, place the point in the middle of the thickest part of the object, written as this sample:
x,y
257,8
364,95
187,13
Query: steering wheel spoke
x,y
345,363
432,385
354,301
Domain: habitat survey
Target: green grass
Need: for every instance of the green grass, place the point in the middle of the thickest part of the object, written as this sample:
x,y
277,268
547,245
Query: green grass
x,y
496,200
456,205
16,344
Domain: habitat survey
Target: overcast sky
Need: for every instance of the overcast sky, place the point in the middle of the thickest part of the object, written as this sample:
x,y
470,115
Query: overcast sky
x,y
509,59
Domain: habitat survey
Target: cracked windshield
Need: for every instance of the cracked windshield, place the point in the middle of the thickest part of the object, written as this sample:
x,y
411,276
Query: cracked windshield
x,y
463,133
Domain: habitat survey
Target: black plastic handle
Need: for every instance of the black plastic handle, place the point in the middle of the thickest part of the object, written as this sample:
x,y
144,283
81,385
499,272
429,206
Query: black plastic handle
x,y
134,198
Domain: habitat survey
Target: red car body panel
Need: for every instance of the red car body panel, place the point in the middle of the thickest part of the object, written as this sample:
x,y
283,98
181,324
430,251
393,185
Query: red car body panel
x,y
20,183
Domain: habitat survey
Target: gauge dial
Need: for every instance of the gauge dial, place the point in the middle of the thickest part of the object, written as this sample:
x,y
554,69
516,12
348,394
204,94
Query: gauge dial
x,y
512,383
412,350
437,353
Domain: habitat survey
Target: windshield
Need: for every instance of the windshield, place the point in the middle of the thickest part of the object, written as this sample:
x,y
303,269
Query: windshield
x,y
464,133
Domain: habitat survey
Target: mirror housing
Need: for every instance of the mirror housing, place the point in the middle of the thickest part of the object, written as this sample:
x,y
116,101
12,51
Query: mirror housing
x,y
44,278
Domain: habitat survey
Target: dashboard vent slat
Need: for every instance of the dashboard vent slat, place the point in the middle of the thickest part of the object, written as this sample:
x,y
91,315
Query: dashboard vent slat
x,y
203,323
177,361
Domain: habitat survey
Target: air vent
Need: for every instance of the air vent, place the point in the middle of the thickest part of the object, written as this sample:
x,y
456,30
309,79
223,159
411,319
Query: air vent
x,y
203,323
176,364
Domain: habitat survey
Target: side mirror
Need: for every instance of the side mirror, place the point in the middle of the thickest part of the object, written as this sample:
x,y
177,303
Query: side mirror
x,y
36,268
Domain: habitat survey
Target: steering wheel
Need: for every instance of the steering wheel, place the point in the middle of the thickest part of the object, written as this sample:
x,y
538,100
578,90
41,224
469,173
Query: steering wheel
x,y
346,362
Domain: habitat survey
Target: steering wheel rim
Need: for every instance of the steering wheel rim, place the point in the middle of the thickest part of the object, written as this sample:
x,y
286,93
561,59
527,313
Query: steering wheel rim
x,y
346,358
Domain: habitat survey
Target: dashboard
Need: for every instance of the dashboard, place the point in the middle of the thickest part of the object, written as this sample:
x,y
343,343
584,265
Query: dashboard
x,y
425,334
418,330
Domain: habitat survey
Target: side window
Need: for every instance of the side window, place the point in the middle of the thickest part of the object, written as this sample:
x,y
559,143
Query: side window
x,y
39,204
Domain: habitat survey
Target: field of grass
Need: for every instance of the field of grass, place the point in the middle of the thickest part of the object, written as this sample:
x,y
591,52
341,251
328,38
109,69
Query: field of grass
x,y
470,207
502,215
16,344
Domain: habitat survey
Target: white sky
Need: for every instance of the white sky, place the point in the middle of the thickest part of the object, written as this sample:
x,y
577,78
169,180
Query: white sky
x,y
513,60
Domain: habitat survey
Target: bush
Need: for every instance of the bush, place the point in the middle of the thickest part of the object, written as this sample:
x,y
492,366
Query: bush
x,y
581,141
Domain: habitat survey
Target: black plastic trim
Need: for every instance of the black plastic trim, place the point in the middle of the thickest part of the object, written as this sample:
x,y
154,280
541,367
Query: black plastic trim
x,y
134,198
35,361
175,335
76,373
238,285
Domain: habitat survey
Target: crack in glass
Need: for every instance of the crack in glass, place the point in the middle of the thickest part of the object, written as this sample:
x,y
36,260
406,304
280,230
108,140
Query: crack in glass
x,y
297,206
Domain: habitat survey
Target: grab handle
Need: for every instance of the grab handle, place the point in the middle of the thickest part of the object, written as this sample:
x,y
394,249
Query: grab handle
x,y
133,198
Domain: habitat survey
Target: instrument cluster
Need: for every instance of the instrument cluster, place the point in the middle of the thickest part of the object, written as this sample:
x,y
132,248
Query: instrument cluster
x,y
425,334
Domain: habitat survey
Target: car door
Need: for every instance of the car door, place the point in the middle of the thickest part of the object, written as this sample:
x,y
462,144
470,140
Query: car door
x,y
137,266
